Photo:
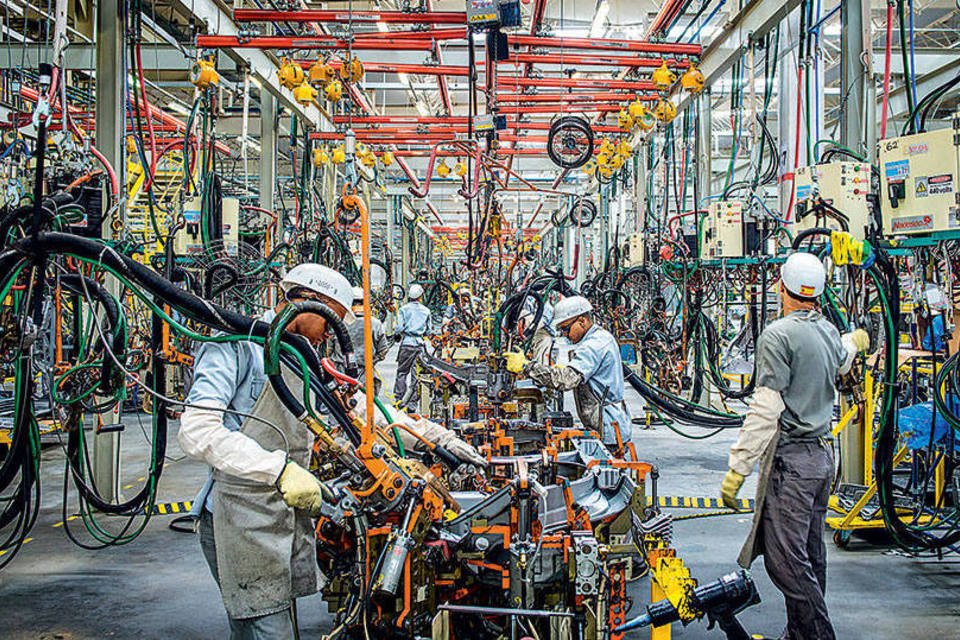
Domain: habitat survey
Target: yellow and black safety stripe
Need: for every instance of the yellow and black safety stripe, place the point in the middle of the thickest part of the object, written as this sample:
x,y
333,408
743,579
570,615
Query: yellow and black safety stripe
x,y
664,502
685,502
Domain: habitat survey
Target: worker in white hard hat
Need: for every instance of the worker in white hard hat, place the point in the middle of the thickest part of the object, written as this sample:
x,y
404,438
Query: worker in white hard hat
x,y
788,430
413,324
594,373
355,330
254,511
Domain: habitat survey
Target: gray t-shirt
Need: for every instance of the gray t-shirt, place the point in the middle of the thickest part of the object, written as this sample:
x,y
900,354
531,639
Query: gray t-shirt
x,y
800,356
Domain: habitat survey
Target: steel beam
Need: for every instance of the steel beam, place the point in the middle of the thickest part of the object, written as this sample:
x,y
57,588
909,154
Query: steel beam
x,y
595,61
262,66
342,16
312,43
605,44
755,20
409,69
575,83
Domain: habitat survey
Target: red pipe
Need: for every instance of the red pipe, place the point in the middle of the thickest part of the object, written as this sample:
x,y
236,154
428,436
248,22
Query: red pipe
x,y
400,120
667,14
605,44
320,42
553,109
411,69
595,61
345,16
441,80
576,83
513,98
413,128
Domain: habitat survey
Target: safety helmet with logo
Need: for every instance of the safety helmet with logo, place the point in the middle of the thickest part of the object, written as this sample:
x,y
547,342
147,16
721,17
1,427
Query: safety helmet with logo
x,y
569,308
803,275
415,292
321,280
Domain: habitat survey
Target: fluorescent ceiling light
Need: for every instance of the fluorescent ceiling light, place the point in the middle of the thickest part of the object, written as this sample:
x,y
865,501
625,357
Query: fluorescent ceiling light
x,y
600,18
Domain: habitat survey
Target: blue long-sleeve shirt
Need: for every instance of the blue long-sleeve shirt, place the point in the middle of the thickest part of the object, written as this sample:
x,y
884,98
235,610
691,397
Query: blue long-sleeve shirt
x,y
413,323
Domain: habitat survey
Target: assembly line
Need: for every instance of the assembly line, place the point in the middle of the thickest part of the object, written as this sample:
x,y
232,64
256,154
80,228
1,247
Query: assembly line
x,y
479,320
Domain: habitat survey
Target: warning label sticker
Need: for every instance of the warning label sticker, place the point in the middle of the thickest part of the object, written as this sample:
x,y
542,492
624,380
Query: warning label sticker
x,y
897,169
803,191
922,187
941,184
912,223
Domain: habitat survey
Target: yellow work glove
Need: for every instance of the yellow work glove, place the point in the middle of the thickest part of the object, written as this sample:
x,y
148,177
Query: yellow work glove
x,y
516,361
300,489
860,340
730,488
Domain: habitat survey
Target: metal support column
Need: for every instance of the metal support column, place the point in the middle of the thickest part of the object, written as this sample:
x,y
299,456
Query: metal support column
x,y
854,44
704,166
110,134
268,149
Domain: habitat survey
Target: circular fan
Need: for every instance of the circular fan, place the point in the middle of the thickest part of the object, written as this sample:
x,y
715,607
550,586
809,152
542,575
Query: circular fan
x,y
237,278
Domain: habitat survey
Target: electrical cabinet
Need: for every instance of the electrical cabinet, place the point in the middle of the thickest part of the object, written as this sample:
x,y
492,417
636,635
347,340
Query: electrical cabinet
x,y
723,228
189,240
632,250
845,186
919,176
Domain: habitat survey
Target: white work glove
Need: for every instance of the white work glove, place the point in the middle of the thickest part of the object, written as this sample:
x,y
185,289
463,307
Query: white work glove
x,y
854,342
300,488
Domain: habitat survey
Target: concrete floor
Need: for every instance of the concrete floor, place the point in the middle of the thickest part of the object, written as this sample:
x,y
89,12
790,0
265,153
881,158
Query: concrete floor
x,y
158,587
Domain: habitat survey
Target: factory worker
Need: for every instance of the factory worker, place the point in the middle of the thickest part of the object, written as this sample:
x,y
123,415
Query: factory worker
x,y
255,527
594,373
413,323
543,332
787,429
355,329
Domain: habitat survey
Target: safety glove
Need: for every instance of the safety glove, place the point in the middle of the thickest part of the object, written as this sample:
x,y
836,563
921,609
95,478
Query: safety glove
x,y
516,361
300,488
730,488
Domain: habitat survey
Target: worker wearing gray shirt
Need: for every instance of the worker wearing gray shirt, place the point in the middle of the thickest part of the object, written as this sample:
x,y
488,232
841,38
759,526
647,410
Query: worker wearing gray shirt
x,y
787,429
355,330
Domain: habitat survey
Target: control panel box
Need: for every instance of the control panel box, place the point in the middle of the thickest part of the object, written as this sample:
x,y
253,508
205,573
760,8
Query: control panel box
x,y
920,182
189,240
844,186
723,228
632,250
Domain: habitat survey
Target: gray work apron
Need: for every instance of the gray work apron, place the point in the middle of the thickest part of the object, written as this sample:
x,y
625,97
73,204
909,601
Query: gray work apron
x,y
265,549
753,547
590,410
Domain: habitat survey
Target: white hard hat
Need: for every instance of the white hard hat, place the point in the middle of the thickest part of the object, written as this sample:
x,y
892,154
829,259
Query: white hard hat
x,y
357,294
803,275
416,292
570,308
322,280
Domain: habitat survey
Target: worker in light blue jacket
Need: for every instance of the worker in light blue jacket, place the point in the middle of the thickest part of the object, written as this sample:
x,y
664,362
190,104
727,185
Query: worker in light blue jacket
x,y
413,323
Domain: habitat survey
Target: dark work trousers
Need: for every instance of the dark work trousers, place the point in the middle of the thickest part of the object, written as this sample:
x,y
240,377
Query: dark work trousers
x,y
793,525
406,358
